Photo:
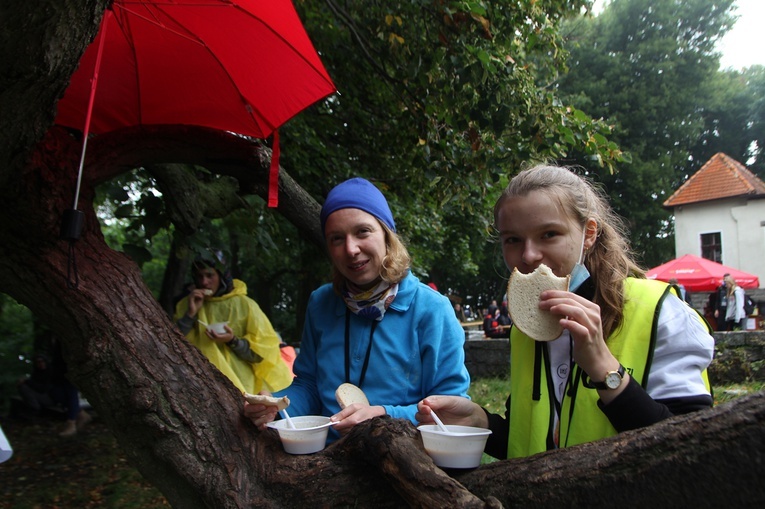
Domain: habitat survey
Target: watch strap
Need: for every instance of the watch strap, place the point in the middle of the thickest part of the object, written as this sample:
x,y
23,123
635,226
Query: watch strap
x,y
588,383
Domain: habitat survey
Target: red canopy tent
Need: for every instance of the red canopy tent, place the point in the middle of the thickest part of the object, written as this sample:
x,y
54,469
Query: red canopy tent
x,y
700,275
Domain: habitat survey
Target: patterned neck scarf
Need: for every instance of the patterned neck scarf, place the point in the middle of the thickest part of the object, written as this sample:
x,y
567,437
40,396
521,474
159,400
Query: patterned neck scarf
x,y
370,303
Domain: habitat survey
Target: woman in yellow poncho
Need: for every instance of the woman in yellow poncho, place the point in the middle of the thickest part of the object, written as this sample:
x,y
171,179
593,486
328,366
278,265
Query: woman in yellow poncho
x,y
248,351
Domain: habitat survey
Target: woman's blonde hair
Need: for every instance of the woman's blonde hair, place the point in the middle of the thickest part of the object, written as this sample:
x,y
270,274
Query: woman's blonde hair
x,y
731,285
610,259
395,263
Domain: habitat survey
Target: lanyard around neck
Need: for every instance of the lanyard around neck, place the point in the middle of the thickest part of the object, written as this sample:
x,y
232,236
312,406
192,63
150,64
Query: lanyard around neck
x,y
348,349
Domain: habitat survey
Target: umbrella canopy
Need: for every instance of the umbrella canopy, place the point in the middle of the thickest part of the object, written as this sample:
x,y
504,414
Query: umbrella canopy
x,y
699,274
245,66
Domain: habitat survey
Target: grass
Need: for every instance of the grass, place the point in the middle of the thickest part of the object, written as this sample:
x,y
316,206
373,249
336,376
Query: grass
x,y
89,470
490,393
725,393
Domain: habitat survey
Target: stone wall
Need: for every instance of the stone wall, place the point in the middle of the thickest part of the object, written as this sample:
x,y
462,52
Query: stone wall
x,y
739,357
487,358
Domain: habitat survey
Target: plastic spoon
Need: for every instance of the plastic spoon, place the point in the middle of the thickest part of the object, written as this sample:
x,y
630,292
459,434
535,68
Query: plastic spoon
x,y
438,422
287,418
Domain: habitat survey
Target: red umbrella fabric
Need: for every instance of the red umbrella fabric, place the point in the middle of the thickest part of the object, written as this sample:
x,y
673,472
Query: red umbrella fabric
x,y
699,274
245,66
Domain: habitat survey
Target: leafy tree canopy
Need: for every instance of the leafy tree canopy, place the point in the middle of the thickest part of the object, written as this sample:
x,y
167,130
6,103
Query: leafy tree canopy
x,y
651,69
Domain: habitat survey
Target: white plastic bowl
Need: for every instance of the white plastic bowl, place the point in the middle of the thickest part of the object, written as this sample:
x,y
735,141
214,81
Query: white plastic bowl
x,y
218,327
461,447
309,435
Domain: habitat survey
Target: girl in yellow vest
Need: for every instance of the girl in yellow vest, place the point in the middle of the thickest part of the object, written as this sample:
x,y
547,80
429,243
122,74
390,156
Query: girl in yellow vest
x,y
631,352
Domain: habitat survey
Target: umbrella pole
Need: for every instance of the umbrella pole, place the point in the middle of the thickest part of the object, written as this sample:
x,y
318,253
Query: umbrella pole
x,y
72,221
88,115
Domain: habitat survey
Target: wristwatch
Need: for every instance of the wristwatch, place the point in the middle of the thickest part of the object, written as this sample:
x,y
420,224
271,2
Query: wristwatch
x,y
613,380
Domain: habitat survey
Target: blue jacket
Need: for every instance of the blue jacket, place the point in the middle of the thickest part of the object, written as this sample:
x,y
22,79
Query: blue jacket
x,y
417,350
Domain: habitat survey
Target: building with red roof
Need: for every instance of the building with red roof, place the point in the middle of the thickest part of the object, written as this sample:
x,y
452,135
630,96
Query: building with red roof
x,y
720,215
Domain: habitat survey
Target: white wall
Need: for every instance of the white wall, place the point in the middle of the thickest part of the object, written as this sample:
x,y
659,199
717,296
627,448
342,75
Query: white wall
x,y
741,224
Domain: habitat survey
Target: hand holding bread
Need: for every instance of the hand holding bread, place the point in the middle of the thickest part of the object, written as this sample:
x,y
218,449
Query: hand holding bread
x,y
261,399
523,292
348,394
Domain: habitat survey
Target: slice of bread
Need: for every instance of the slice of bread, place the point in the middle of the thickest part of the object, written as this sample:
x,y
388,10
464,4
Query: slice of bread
x,y
261,399
523,302
348,394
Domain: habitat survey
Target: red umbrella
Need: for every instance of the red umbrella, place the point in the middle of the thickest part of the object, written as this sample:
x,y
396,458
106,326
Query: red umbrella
x,y
699,274
245,66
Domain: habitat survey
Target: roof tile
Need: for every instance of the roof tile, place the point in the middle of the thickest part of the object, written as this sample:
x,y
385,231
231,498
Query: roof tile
x,y
720,177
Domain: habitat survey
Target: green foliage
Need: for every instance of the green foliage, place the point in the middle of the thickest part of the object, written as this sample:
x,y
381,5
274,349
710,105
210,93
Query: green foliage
x,y
438,104
278,265
16,347
133,220
650,68
735,119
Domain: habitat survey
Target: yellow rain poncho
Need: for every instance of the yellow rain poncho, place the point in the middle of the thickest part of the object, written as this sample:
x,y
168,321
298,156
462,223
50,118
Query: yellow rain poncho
x,y
248,322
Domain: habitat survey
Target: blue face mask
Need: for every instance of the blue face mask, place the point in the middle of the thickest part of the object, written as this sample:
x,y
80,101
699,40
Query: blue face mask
x,y
579,274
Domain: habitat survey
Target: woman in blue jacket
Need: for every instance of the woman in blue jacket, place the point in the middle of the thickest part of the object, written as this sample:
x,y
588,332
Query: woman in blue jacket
x,y
376,326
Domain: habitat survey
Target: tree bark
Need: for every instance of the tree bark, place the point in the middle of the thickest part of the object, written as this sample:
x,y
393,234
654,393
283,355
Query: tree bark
x,y
180,421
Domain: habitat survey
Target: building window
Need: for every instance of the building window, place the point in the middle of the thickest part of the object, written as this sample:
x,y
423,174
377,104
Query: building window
x,y
711,246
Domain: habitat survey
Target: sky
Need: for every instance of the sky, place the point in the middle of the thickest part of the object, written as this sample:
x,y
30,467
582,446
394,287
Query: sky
x,y
744,45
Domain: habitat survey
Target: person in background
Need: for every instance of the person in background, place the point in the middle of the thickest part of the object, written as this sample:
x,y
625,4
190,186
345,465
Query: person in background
x,y
35,389
65,392
247,352
49,386
721,304
289,354
735,316
459,312
631,352
493,322
504,320
376,326
681,291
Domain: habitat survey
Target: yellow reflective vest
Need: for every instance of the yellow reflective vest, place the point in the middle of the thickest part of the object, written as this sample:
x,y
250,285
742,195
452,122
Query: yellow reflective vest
x,y
532,401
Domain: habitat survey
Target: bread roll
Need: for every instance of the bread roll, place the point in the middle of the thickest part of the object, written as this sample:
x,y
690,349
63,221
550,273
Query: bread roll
x,y
348,394
523,302
261,399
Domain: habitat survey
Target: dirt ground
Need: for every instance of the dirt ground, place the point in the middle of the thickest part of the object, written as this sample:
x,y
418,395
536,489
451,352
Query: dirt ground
x,y
87,470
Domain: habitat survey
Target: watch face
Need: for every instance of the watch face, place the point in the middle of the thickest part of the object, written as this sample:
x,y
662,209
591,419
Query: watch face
x,y
613,380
